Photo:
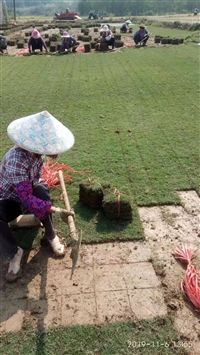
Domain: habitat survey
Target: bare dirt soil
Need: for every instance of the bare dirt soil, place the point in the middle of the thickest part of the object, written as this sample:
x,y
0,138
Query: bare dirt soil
x,y
128,41
165,228
113,281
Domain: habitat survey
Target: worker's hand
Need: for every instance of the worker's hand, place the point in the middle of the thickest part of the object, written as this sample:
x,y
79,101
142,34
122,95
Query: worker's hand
x,y
64,214
43,182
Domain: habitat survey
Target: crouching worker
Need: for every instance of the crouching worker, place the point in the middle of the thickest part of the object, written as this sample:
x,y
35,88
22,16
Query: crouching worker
x,y
68,43
141,36
3,44
21,188
36,42
124,28
107,37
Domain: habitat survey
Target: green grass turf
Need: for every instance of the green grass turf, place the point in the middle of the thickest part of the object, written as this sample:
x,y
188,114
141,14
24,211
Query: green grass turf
x,y
135,119
160,31
155,337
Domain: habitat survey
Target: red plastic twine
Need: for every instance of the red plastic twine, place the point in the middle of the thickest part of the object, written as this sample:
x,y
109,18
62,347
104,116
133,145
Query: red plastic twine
x,y
190,285
50,172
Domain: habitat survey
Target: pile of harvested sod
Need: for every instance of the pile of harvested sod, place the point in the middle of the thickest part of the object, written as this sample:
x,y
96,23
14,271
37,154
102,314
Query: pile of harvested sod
x,y
91,194
115,204
168,40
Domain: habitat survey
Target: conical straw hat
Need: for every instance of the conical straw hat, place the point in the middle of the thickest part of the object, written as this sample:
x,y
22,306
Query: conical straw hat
x,y
41,133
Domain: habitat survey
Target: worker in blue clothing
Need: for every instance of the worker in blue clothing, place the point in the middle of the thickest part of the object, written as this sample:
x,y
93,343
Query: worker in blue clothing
x,y
141,36
68,43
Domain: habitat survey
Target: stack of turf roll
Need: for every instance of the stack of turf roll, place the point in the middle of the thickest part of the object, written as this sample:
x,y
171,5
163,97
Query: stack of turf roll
x,y
91,193
117,205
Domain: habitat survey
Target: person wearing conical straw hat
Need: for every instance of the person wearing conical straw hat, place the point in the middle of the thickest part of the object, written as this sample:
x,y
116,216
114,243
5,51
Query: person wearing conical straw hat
x,y
36,42
125,27
107,36
68,43
21,188
141,36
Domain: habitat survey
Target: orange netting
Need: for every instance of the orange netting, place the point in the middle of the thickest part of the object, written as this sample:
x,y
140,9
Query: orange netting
x,y
50,173
22,52
190,285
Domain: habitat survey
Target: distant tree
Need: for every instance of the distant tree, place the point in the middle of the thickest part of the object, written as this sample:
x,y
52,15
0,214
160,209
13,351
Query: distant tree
x,y
106,7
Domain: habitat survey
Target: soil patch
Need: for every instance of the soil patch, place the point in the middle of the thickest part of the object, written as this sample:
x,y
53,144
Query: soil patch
x,y
165,228
128,41
113,281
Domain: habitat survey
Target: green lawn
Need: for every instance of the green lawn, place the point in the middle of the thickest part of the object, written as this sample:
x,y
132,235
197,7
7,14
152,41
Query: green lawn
x,y
160,31
155,337
135,117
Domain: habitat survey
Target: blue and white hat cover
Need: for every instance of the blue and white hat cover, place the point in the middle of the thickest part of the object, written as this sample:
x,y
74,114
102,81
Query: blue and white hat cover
x,y
41,133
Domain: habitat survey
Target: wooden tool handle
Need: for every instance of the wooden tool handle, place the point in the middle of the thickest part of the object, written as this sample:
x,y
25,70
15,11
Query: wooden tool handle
x,y
73,232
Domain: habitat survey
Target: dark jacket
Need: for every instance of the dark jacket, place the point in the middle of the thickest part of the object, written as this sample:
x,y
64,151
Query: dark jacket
x,y
139,36
70,43
36,43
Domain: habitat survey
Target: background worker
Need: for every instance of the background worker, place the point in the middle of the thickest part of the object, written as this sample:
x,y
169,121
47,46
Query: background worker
x,y
68,43
141,36
107,36
3,44
36,42
125,27
21,188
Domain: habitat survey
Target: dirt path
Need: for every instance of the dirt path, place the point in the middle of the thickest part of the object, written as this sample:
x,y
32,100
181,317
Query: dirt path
x,y
113,281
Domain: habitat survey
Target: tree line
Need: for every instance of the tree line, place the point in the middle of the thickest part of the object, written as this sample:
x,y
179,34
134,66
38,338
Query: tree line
x,y
136,7
38,7
105,7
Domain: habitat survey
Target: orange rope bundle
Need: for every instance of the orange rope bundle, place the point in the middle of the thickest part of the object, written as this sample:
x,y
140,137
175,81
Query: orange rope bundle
x,y
190,285
50,172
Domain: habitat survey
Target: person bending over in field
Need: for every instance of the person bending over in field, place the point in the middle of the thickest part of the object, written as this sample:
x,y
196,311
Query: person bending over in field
x,y
3,44
141,36
124,28
69,43
107,37
36,42
21,187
